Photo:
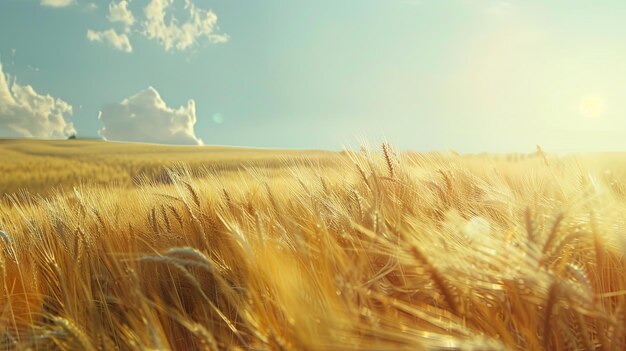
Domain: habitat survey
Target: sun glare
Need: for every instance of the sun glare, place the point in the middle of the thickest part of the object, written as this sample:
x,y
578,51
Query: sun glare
x,y
592,106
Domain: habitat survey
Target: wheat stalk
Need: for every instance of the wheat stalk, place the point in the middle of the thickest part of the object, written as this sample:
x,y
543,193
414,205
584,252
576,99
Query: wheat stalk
x,y
75,331
389,159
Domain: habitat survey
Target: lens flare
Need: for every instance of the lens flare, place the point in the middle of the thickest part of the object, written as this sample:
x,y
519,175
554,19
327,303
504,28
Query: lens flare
x,y
218,118
592,106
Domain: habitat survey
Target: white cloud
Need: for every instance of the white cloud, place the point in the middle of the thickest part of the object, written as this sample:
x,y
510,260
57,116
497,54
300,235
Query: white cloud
x,y
145,117
25,113
119,12
160,24
201,23
118,41
56,3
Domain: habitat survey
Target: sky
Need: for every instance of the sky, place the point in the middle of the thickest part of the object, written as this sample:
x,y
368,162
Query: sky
x,y
467,75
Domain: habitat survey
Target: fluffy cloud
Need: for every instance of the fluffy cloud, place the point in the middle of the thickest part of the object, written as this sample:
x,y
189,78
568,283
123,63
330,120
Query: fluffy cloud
x,y
145,117
160,24
119,12
56,3
118,41
201,23
25,113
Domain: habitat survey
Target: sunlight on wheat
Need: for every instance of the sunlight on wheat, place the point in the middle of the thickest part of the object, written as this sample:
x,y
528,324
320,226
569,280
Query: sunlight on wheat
x,y
374,250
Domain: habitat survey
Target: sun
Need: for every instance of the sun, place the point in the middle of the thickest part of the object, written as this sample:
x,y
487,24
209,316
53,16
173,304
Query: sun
x,y
592,106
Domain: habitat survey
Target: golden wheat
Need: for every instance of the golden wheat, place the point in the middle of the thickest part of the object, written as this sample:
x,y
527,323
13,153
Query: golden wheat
x,y
354,250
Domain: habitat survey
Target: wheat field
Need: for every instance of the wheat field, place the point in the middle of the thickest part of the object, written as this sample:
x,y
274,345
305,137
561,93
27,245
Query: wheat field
x,y
153,248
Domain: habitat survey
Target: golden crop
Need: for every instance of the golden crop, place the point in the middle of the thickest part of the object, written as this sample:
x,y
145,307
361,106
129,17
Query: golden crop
x,y
42,167
320,251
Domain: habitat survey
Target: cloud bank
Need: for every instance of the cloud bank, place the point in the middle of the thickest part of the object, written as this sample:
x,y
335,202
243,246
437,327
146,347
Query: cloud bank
x,y
145,117
25,113
56,3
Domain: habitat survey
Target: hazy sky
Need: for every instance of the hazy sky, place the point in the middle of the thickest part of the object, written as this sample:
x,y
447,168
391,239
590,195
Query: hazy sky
x,y
470,75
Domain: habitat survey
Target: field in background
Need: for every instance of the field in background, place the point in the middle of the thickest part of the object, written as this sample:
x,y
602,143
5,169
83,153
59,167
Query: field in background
x,y
354,250
44,166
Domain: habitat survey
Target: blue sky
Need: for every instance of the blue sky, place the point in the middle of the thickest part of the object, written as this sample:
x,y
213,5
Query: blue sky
x,y
470,75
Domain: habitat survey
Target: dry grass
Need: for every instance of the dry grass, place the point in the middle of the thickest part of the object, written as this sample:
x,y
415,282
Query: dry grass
x,y
362,251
